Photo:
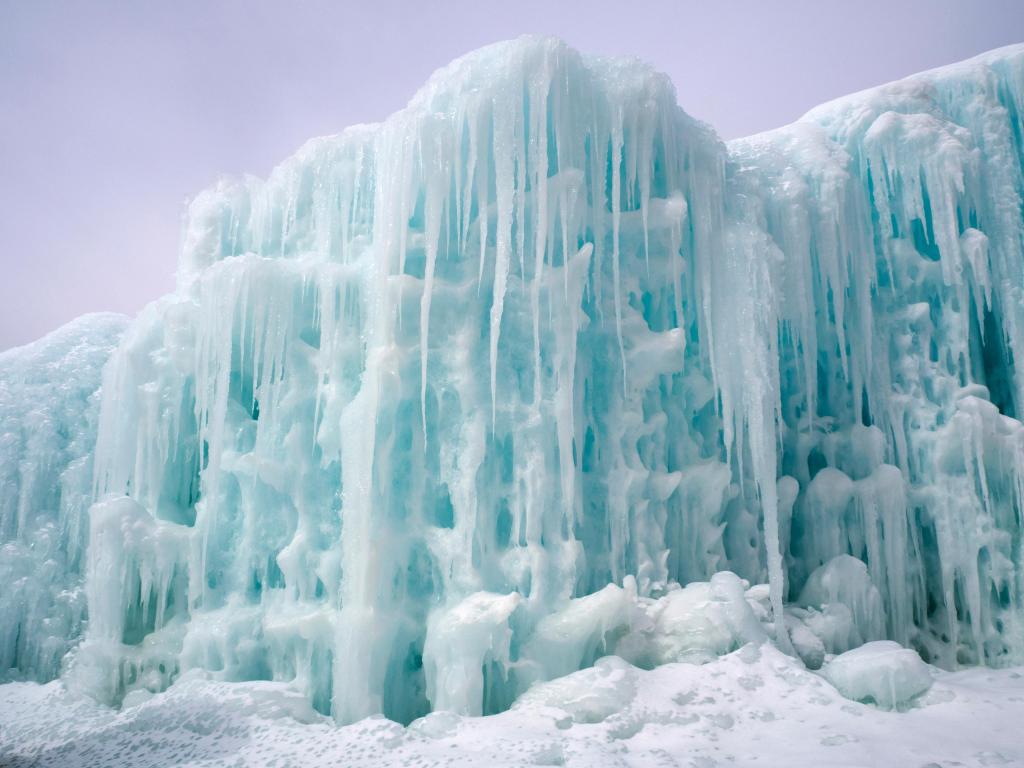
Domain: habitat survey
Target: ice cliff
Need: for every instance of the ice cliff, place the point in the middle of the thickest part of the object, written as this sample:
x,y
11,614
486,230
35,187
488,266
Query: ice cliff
x,y
455,403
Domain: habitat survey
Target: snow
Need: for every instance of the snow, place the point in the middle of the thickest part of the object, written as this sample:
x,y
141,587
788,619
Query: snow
x,y
755,706
536,372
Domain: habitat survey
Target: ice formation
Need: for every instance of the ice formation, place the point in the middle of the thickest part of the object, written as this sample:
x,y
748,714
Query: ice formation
x,y
454,404
48,414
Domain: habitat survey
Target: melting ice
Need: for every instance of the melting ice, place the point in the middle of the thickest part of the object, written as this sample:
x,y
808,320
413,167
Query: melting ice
x,y
539,370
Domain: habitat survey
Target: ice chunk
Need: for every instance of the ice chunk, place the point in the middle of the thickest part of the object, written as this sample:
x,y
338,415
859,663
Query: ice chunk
x,y
698,623
844,581
807,642
882,673
833,626
463,645
588,627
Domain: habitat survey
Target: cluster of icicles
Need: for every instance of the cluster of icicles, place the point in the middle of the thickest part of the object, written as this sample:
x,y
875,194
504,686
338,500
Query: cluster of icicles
x,y
436,381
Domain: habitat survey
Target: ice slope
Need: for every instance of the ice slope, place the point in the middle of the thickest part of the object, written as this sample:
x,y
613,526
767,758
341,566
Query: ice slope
x,y
452,404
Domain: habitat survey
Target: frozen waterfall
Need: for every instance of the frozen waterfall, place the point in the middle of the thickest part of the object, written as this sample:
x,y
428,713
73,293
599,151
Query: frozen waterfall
x,y
455,403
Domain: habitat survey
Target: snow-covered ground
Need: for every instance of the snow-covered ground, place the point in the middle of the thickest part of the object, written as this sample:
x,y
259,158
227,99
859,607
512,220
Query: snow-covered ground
x,y
753,707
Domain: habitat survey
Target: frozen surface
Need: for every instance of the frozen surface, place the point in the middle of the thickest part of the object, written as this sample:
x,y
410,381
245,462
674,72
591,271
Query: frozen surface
x,y
536,371
752,707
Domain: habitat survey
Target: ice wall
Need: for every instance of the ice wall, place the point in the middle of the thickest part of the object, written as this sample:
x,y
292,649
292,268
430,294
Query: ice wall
x,y
48,412
910,458
426,392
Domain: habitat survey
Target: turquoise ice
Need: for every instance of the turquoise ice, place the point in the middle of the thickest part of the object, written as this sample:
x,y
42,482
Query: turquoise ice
x,y
455,403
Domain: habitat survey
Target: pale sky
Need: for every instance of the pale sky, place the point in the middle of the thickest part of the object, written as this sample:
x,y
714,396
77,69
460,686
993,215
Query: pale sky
x,y
113,114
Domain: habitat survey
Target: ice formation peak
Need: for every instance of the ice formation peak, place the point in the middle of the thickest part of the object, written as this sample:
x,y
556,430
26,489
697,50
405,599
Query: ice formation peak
x,y
455,403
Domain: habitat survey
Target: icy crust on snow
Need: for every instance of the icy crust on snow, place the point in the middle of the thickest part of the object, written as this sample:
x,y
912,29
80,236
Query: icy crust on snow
x,y
453,404
48,412
755,706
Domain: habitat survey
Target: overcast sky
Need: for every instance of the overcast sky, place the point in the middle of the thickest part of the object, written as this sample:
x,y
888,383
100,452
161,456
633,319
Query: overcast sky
x,y
112,114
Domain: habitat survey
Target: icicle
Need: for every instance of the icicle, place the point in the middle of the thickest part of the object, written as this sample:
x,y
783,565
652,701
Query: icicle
x,y
504,179
616,161
436,176
538,153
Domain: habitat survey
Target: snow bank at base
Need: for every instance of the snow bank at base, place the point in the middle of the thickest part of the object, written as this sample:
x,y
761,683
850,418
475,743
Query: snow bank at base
x,y
755,706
